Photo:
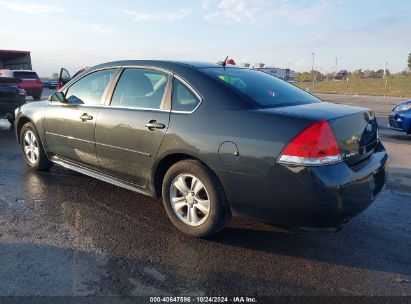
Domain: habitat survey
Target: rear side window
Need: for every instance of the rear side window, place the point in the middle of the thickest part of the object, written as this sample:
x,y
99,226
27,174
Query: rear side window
x,y
89,89
183,98
25,75
140,88
264,89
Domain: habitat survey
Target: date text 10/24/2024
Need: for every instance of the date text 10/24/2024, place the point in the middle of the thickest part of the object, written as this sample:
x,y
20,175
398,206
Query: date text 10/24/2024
x,y
203,299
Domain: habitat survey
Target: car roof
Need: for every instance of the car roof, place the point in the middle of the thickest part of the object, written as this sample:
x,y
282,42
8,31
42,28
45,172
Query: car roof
x,y
190,71
162,63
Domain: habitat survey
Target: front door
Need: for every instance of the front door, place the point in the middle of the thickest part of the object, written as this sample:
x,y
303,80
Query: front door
x,y
70,125
130,130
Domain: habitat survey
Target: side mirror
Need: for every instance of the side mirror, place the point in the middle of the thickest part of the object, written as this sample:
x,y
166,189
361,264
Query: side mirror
x,y
59,97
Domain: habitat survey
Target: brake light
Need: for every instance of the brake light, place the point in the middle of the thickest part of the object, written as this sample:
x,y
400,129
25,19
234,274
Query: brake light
x,y
316,145
38,80
59,85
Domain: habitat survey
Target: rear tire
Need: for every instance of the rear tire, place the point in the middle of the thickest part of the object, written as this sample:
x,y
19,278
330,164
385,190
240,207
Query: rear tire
x,y
11,120
32,148
37,96
194,199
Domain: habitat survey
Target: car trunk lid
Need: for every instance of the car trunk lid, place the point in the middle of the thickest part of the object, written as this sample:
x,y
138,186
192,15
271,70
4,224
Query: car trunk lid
x,y
355,128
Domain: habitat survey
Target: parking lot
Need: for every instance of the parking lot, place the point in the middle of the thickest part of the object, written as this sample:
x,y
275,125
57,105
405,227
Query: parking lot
x,y
63,233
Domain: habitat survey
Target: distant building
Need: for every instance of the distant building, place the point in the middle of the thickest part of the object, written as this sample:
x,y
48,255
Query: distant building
x,y
284,74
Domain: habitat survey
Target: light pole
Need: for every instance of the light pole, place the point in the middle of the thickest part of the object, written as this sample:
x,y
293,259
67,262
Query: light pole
x,y
312,71
336,64
386,79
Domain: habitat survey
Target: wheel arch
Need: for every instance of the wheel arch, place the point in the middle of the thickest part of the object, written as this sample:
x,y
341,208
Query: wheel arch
x,y
21,122
166,162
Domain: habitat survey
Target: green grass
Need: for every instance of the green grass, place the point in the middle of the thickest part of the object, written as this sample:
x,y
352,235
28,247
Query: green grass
x,y
398,87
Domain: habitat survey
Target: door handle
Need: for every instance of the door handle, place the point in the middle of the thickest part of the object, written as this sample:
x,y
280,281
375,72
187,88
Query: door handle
x,y
86,117
153,124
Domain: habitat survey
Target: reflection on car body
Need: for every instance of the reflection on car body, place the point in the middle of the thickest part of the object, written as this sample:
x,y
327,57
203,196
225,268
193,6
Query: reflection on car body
x,y
400,118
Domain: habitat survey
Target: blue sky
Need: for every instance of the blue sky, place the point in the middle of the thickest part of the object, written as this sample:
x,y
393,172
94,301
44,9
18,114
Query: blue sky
x,y
362,34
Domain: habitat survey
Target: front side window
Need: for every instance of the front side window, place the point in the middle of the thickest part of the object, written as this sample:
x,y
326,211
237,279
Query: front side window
x,y
89,89
183,98
265,90
140,88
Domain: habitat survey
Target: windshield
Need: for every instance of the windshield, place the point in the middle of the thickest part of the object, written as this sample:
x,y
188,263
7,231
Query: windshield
x,y
266,90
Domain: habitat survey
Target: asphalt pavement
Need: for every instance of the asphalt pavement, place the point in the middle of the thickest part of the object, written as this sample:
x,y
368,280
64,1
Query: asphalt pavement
x,y
63,233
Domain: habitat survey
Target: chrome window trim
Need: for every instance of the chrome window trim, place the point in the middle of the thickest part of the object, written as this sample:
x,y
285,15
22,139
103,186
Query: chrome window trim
x,y
134,108
109,97
120,68
67,86
192,89
148,67
59,103
88,72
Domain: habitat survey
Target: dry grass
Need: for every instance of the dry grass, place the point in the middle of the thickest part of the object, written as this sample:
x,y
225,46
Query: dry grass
x,y
397,87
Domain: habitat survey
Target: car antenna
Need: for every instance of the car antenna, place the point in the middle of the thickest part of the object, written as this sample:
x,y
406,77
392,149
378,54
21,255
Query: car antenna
x,y
223,63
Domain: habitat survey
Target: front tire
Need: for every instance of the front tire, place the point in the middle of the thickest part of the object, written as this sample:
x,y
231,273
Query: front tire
x,y
37,96
194,199
32,148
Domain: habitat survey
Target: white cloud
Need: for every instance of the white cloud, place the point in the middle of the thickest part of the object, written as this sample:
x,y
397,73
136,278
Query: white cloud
x,y
100,29
205,4
147,17
31,8
266,11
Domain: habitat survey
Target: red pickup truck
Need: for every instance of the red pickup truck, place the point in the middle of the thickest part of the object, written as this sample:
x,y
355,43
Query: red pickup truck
x,y
30,81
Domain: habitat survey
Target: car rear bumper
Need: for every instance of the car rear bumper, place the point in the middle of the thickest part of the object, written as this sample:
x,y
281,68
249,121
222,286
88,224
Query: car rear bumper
x,y
33,91
7,107
316,197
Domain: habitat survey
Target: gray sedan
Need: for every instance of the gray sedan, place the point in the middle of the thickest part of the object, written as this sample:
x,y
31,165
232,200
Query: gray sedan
x,y
212,140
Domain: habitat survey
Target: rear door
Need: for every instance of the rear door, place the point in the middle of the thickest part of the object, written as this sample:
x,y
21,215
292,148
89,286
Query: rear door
x,y
70,125
131,127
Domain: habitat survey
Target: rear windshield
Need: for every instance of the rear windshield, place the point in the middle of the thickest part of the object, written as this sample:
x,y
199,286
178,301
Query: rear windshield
x,y
266,90
25,75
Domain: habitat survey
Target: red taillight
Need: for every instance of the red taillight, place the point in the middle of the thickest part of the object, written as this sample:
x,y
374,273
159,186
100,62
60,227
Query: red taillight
x,y
59,85
316,145
38,80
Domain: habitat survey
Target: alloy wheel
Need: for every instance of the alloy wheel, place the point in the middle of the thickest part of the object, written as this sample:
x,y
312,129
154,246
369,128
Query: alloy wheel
x,y
189,199
31,147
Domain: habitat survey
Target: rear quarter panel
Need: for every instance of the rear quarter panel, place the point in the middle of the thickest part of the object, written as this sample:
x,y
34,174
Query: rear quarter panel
x,y
259,137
